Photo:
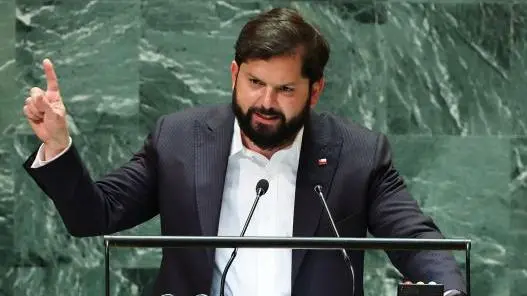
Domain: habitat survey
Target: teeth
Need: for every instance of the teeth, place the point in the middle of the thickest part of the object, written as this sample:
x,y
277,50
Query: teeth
x,y
266,116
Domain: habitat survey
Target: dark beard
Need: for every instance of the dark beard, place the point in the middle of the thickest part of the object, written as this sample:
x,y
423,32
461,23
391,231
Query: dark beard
x,y
265,137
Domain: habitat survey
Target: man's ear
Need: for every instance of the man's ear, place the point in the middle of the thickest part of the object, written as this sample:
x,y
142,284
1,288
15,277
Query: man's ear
x,y
234,73
316,91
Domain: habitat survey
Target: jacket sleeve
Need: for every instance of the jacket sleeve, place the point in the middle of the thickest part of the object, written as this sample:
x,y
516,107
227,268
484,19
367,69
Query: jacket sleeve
x,y
393,213
120,200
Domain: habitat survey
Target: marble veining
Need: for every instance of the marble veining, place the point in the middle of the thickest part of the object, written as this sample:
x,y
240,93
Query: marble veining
x,y
445,80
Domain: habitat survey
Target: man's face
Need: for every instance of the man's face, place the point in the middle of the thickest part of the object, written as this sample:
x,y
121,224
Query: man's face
x,y
272,100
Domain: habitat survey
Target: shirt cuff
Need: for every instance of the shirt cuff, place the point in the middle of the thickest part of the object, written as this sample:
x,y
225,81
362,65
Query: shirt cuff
x,y
452,293
39,162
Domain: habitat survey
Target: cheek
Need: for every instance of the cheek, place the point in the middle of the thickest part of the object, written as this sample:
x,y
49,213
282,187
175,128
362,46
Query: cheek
x,y
289,110
247,97
292,106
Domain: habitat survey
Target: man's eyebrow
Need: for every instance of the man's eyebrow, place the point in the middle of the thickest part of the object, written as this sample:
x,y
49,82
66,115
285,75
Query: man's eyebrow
x,y
292,83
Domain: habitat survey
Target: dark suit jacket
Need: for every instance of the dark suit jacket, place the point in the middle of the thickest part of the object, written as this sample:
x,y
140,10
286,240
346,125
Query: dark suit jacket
x,y
179,174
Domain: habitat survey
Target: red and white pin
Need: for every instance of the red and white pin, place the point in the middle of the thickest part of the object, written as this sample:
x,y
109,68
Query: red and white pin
x,y
322,161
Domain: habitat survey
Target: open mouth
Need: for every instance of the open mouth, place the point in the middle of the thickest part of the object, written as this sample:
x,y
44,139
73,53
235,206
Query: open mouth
x,y
268,118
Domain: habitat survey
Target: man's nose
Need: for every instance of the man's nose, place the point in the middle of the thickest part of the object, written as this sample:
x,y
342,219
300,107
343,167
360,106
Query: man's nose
x,y
268,99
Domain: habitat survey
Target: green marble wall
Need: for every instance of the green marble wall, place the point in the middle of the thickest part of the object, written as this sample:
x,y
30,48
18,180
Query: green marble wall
x,y
445,80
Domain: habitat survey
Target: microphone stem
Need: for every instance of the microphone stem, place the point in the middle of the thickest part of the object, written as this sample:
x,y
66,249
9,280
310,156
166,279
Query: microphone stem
x,y
347,260
335,230
235,251
333,226
250,214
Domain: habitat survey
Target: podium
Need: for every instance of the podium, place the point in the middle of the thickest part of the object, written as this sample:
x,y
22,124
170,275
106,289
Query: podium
x,y
318,243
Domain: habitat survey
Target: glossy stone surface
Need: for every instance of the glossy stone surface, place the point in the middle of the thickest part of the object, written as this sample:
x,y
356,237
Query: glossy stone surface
x,y
445,80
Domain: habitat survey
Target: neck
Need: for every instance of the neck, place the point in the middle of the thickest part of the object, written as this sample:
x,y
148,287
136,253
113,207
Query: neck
x,y
268,153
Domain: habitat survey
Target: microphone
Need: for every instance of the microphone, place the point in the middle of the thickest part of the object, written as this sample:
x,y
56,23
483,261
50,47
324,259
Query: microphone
x,y
347,260
261,189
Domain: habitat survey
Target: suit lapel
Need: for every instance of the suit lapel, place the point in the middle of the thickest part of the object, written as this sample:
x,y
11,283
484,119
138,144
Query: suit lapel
x,y
212,145
318,144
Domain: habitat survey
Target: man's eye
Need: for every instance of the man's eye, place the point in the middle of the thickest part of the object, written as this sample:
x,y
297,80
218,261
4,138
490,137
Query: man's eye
x,y
287,89
256,81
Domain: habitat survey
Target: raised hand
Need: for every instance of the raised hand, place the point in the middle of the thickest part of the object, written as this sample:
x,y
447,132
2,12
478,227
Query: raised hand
x,y
46,114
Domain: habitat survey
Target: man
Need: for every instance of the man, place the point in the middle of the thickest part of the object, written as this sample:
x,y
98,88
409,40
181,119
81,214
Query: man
x,y
198,170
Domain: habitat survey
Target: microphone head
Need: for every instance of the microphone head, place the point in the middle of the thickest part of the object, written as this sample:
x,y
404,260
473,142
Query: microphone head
x,y
262,186
318,189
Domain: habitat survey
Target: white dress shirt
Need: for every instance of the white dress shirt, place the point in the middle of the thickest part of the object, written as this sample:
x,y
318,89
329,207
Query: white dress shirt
x,y
38,162
254,271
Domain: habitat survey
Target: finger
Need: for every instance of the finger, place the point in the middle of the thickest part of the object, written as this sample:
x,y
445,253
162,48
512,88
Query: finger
x,y
51,76
26,112
37,99
30,115
37,113
36,91
33,105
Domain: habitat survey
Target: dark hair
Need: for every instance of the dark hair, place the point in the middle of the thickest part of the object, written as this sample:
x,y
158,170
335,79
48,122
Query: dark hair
x,y
279,32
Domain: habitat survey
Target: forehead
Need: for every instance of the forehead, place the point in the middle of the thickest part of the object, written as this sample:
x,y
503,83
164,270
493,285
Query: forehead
x,y
276,70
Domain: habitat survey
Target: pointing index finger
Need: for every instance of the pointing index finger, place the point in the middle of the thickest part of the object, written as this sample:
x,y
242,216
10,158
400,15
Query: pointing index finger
x,y
51,77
